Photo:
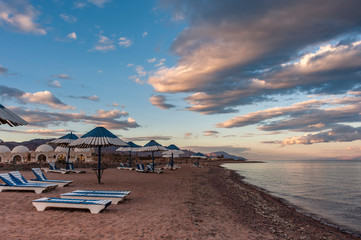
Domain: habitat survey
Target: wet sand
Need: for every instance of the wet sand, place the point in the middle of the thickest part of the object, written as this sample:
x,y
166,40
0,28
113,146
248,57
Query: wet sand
x,y
188,203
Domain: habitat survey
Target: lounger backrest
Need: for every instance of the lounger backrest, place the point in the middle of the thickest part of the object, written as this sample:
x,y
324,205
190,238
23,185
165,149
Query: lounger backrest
x,y
7,179
140,166
39,174
16,175
150,167
121,165
70,166
52,166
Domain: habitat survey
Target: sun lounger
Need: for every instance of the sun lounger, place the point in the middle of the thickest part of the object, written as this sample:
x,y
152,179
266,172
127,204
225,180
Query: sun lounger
x,y
103,192
70,167
115,198
52,168
152,170
17,177
141,168
40,178
124,167
95,206
11,184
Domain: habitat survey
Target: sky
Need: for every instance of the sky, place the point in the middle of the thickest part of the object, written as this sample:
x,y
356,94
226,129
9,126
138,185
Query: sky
x,y
259,79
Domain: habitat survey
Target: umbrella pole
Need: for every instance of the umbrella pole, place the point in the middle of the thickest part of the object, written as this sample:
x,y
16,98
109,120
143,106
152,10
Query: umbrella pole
x,y
130,158
171,162
99,164
67,159
153,160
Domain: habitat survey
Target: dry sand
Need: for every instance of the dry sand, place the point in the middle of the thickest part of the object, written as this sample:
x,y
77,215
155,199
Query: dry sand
x,y
188,203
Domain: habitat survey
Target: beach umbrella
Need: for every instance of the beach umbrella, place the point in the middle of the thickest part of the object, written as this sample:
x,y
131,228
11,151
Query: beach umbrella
x,y
172,151
10,118
198,156
132,147
64,142
98,137
152,146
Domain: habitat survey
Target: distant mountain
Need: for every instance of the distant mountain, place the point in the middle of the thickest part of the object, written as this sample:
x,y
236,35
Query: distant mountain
x,y
32,144
225,155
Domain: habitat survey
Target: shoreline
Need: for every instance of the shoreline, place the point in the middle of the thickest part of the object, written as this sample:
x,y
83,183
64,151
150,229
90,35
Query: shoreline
x,y
294,210
189,203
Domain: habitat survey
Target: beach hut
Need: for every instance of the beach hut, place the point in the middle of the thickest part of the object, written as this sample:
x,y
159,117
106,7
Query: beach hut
x,y
10,118
173,151
132,147
152,146
64,142
98,137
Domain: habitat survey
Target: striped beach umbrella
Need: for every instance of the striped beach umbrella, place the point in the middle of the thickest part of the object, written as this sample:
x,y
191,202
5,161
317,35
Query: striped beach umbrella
x,y
64,142
98,137
173,151
132,147
10,118
152,146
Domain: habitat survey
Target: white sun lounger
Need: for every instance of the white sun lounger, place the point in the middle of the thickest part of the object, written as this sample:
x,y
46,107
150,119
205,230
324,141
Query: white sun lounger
x,y
115,198
141,168
11,184
52,168
40,178
124,167
103,192
95,206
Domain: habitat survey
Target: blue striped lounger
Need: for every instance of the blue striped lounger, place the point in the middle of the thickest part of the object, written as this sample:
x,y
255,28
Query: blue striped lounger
x,y
11,184
114,196
95,206
40,178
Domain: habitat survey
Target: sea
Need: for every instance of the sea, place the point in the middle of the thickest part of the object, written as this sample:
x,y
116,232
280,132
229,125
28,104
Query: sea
x,y
328,190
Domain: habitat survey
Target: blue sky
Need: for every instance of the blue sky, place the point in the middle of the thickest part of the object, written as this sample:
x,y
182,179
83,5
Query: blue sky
x,y
260,79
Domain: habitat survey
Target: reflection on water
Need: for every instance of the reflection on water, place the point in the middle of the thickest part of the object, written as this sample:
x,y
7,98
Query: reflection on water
x,y
329,189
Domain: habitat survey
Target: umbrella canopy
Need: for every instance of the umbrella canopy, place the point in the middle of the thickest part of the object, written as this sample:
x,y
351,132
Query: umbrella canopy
x,y
98,137
199,155
173,151
64,142
152,146
132,147
10,118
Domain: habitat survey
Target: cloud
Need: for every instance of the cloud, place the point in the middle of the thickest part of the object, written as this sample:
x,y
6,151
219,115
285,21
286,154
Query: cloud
x,y
244,52
229,149
160,62
130,65
68,18
3,70
20,16
41,98
187,135
308,116
104,44
211,133
61,76
91,98
159,101
55,84
340,133
108,119
124,42
72,35
145,34
43,132
99,3
151,60
148,138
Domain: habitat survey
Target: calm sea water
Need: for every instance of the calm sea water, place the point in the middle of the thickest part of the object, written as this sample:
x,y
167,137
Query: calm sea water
x,y
329,190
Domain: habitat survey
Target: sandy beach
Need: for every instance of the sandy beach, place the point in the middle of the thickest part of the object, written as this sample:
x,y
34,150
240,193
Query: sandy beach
x,y
188,203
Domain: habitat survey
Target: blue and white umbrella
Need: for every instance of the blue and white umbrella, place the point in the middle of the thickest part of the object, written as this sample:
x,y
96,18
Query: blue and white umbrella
x,y
132,147
10,118
173,151
152,146
98,137
64,142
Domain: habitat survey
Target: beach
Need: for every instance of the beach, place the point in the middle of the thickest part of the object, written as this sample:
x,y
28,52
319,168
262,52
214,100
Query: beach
x,y
187,203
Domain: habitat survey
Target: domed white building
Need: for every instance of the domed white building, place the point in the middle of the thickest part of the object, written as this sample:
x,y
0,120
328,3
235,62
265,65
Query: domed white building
x,y
20,154
44,153
4,153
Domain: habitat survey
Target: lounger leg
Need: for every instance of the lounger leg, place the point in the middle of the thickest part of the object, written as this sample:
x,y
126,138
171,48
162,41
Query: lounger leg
x,y
38,191
95,209
39,208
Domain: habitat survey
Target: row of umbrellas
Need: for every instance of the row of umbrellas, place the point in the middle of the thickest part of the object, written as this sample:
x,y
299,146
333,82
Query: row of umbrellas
x,y
97,138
